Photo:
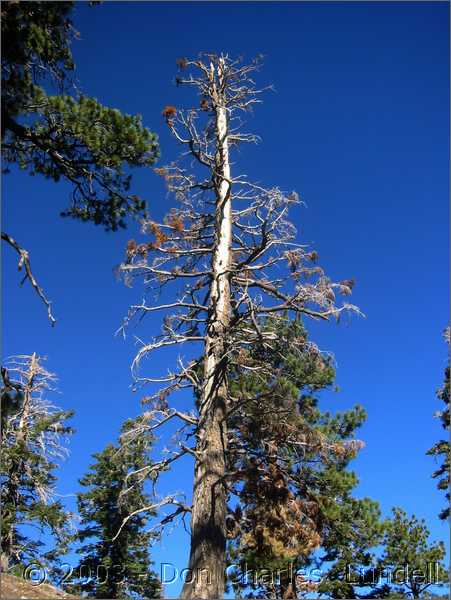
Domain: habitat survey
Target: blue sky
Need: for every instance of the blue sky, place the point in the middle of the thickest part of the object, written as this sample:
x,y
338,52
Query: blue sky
x,y
359,125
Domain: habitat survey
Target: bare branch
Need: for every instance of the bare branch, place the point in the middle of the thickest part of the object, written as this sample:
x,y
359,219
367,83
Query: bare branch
x,y
24,261
153,507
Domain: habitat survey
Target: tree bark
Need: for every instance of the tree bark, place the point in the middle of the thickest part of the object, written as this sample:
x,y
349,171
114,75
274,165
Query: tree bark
x,y
205,578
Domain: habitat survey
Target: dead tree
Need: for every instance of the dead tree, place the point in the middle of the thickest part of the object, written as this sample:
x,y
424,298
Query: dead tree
x,y
33,437
232,256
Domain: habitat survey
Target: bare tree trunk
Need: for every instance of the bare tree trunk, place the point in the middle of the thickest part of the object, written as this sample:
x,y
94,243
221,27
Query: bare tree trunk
x,y
208,530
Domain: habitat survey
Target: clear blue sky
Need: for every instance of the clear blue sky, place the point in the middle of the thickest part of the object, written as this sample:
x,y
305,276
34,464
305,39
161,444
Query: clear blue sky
x,y
359,125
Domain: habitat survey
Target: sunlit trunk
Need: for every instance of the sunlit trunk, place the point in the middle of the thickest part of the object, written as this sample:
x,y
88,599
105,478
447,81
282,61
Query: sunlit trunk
x,y
208,530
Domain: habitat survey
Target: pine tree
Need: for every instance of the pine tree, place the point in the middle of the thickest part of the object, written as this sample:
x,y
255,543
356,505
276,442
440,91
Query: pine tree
x,y
442,448
32,445
349,547
231,252
295,509
115,559
412,562
64,135
402,564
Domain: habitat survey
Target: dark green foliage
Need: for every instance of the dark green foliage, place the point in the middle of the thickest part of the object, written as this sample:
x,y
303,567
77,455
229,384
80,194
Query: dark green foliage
x,y
349,541
31,448
408,559
60,136
442,448
12,397
115,551
293,487
405,566
292,508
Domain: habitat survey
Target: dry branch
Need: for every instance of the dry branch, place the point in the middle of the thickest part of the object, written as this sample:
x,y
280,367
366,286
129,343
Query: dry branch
x,y
24,261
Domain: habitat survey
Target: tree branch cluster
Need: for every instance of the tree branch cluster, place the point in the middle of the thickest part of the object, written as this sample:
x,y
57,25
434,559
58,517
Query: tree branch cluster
x,y
271,274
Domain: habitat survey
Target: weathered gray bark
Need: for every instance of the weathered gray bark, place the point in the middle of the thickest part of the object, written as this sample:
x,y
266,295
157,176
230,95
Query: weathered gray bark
x,y
208,529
